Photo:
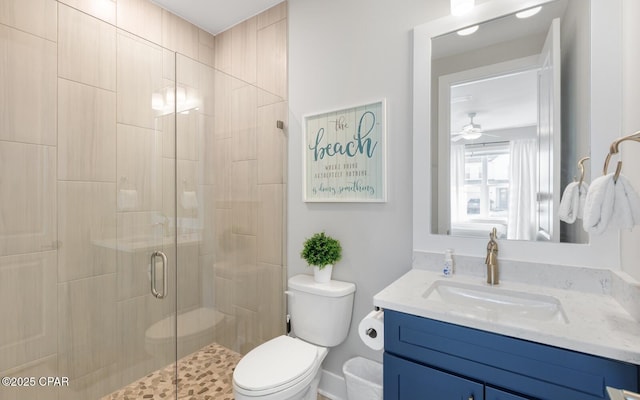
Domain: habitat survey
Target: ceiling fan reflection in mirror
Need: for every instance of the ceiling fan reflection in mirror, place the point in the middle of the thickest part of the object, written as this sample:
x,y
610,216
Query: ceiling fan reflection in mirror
x,y
470,131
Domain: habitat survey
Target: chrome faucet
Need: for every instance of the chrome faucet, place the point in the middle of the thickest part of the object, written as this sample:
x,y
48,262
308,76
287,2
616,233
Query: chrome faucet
x,y
493,271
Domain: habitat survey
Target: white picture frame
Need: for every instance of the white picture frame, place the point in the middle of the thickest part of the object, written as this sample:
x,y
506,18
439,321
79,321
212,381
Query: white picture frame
x,y
345,154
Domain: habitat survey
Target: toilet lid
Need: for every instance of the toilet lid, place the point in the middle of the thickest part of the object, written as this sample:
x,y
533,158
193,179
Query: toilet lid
x,y
279,362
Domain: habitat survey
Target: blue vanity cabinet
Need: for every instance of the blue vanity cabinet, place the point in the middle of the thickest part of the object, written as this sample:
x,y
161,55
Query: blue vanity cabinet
x,y
497,394
412,381
433,360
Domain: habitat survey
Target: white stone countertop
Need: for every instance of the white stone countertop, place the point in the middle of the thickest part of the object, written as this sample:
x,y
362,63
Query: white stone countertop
x,y
597,324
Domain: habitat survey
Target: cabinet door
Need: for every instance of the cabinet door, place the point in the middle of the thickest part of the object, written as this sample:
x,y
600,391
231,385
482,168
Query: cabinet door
x,y
405,380
497,394
518,366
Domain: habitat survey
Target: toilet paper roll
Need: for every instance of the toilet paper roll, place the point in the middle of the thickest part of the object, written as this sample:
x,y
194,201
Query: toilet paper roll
x,y
371,330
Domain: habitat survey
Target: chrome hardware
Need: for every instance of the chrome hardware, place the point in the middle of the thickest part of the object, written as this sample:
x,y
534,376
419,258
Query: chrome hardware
x,y
154,290
471,397
371,333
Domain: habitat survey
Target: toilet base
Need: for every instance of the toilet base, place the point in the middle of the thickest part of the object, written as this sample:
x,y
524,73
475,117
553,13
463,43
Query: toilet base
x,y
306,392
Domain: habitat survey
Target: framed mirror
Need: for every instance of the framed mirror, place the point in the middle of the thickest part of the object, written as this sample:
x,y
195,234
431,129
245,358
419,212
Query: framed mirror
x,y
470,136
499,96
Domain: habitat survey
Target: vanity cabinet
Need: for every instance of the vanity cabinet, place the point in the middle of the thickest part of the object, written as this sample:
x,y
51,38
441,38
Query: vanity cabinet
x,y
416,381
492,393
429,359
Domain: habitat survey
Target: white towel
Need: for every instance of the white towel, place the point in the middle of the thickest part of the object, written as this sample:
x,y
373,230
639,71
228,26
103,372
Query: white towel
x,y
626,210
572,202
611,204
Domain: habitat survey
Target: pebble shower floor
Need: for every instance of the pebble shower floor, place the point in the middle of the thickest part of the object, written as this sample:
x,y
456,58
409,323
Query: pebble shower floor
x,y
206,374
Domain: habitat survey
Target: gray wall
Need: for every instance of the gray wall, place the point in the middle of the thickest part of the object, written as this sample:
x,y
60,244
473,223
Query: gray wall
x,y
343,53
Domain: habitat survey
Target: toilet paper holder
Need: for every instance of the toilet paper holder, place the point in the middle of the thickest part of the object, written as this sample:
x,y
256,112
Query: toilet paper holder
x,y
371,329
372,333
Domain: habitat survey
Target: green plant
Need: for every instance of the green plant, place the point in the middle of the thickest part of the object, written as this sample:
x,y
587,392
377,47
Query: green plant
x,y
321,250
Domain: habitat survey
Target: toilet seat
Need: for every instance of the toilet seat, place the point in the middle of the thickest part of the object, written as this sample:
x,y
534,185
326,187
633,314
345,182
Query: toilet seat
x,y
276,365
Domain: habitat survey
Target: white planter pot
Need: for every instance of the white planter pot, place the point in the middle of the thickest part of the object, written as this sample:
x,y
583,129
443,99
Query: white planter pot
x,y
322,275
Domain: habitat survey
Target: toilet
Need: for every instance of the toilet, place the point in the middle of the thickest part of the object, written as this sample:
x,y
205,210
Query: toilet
x,y
288,368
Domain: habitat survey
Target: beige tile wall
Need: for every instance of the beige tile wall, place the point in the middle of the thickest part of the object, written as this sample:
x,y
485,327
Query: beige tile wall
x,y
140,17
86,132
28,198
248,179
25,280
37,17
29,89
86,49
93,177
86,211
271,49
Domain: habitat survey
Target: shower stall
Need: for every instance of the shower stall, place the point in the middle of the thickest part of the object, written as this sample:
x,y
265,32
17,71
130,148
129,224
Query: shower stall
x,y
142,197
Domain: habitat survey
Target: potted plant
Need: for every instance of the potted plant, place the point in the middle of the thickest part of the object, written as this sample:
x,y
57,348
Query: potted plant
x,y
321,252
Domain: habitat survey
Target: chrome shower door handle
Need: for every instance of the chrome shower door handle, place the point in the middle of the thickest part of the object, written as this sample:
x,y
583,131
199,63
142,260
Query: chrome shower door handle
x,y
154,290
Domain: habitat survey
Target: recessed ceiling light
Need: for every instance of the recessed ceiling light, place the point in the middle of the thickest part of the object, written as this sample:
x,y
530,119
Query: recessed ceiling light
x,y
529,13
467,31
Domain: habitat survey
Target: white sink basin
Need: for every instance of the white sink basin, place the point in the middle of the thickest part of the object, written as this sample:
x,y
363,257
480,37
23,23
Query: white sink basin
x,y
494,303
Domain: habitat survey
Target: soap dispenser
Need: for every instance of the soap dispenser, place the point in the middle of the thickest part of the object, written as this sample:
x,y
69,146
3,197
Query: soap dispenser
x,y
447,269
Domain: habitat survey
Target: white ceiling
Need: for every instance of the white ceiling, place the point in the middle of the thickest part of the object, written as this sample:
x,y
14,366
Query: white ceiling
x,y
215,16
499,30
504,103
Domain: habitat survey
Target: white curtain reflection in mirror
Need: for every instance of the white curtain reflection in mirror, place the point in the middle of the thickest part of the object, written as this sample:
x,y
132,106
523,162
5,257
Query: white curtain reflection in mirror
x,y
522,223
458,198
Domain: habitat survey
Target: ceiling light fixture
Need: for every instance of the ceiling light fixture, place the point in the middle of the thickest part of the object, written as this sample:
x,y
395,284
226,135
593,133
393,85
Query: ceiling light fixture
x,y
470,131
461,7
467,31
529,13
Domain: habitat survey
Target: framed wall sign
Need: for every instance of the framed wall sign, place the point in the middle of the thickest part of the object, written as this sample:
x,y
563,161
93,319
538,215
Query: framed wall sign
x,y
345,155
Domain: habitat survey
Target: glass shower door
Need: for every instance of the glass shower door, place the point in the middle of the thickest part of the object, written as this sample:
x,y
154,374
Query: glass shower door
x,y
230,162
146,218
198,320
87,195
144,297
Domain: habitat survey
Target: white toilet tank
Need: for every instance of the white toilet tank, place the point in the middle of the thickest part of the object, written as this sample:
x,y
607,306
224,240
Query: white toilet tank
x,y
320,312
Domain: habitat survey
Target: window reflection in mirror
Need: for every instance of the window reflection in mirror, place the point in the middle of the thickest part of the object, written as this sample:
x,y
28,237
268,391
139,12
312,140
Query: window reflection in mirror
x,y
507,123
480,188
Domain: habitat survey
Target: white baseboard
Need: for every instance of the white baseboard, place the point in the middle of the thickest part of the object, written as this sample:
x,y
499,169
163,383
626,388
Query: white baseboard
x,y
332,386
